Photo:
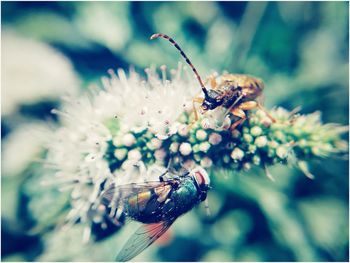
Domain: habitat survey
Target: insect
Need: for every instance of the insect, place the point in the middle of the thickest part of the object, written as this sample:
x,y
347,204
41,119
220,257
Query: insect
x,y
156,204
235,92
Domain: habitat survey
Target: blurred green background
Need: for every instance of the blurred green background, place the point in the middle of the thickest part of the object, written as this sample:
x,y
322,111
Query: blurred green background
x,y
300,49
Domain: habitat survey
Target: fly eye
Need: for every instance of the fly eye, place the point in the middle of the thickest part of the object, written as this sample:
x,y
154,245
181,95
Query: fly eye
x,y
202,178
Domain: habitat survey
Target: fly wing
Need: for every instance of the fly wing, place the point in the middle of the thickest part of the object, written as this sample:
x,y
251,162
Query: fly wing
x,y
143,238
116,197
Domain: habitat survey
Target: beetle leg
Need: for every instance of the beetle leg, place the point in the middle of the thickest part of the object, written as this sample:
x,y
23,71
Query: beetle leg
x,y
266,112
248,105
233,105
196,100
212,81
238,113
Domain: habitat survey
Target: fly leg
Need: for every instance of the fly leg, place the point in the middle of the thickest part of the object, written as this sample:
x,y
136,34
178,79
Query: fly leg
x,y
207,208
167,175
162,177
239,112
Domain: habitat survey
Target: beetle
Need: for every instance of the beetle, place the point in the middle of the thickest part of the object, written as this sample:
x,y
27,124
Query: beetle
x,y
156,204
235,92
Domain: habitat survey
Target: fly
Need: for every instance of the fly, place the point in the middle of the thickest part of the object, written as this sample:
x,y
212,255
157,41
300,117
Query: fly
x,y
156,204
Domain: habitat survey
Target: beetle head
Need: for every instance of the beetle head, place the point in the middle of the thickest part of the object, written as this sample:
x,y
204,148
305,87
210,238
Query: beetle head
x,y
212,100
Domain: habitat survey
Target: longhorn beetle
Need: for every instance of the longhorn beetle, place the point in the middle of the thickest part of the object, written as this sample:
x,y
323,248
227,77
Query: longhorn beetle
x,y
235,92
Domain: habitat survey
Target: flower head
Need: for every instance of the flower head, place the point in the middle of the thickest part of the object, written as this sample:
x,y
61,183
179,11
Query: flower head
x,y
120,133
116,127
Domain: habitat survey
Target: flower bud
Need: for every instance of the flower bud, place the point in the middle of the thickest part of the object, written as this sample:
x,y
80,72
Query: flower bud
x,y
117,141
185,148
174,147
273,144
256,131
282,152
134,155
261,141
183,130
120,154
215,138
236,133
226,159
189,164
206,124
206,162
156,143
248,138
160,154
246,166
128,139
204,146
280,135
252,148
237,154
256,160
201,135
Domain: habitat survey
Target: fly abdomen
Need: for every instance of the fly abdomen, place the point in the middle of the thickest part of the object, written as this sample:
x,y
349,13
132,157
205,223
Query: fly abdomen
x,y
139,201
148,207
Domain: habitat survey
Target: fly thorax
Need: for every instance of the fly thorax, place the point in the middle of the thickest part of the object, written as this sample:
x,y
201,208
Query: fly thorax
x,y
185,197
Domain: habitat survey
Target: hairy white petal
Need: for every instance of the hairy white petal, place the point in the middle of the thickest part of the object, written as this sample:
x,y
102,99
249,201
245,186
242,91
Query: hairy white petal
x,y
77,149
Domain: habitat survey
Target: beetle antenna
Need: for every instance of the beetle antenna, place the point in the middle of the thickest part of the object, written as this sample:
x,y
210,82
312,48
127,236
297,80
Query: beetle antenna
x,y
172,41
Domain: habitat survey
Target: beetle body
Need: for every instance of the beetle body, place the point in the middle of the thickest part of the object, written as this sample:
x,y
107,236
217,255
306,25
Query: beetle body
x,y
237,93
233,90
